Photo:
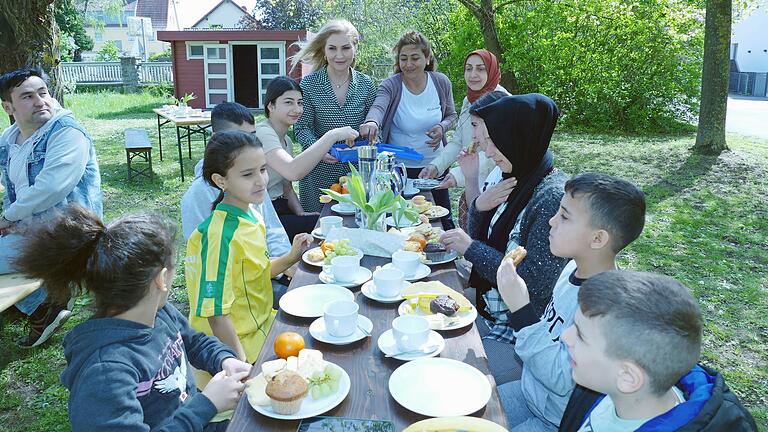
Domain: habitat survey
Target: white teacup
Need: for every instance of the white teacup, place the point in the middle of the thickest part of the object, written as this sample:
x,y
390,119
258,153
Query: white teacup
x,y
406,261
388,282
411,332
327,223
345,268
340,317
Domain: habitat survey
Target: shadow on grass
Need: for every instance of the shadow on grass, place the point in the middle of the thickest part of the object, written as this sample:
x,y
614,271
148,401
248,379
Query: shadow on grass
x,y
130,112
684,177
12,352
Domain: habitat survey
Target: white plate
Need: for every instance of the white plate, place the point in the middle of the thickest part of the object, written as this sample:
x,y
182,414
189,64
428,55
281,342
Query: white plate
x,y
369,291
318,234
436,212
452,255
311,407
391,222
363,275
425,184
340,210
305,256
422,272
420,387
308,301
318,331
458,320
387,345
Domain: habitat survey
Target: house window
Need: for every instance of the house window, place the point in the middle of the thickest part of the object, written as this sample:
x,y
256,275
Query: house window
x,y
98,37
118,44
194,51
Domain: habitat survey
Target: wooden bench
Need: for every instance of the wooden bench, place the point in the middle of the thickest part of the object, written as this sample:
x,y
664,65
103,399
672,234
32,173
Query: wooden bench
x,y
137,145
14,287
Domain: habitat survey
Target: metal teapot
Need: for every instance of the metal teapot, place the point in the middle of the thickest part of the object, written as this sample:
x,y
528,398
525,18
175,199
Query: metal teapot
x,y
387,174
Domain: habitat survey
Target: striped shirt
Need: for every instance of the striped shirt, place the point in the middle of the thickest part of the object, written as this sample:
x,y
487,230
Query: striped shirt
x,y
227,273
323,113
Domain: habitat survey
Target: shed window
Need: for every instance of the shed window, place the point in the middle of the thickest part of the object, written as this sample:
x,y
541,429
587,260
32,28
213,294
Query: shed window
x,y
194,51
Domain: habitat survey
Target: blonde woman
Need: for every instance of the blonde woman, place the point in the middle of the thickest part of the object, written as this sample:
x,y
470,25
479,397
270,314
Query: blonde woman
x,y
335,95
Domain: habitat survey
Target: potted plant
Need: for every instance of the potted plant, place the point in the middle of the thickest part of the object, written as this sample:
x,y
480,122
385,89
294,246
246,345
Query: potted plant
x,y
402,213
184,100
375,209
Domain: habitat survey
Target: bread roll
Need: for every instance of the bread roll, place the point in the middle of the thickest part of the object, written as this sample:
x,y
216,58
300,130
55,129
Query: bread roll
x,y
517,255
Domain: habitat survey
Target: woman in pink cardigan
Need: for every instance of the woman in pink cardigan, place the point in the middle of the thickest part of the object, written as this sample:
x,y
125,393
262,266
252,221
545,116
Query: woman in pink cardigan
x,y
414,108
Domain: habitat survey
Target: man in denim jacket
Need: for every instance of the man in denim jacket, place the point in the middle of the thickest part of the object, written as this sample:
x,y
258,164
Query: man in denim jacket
x,y
47,161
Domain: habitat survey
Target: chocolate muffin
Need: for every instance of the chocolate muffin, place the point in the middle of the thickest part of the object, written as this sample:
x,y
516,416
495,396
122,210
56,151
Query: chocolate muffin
x,y
435,252
444,305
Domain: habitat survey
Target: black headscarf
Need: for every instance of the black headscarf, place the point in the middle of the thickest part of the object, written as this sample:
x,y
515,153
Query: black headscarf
x,y
521,128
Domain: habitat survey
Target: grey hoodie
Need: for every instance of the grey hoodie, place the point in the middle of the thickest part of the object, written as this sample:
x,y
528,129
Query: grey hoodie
x,y
123,375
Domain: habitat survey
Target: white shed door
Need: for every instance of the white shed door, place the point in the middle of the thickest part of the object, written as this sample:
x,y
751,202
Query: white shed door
x,y
218,70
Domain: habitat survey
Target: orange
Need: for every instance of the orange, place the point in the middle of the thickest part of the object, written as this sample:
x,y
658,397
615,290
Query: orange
x,y
344,190
288,344
336,187
418,239
325,247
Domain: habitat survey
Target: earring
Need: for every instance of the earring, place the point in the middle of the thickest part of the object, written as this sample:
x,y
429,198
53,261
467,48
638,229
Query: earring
x,y
225,194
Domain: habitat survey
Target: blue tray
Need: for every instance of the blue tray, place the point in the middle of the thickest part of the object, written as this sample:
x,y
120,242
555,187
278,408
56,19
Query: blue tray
x,y
344,153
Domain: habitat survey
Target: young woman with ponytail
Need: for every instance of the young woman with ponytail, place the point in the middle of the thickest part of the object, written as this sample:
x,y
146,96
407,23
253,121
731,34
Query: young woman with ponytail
x,y
129,366
228,269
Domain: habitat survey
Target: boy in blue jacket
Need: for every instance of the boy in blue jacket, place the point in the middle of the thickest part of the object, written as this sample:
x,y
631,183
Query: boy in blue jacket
x,y
635,342
599,215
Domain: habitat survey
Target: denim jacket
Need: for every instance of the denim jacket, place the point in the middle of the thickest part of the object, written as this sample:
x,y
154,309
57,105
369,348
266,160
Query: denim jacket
x,y
87,191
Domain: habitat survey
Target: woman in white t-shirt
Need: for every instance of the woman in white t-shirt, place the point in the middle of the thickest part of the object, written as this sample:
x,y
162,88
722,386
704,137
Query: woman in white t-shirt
x,y
414,108
283,107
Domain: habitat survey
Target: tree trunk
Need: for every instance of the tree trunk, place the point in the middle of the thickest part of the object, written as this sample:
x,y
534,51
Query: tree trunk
x,y
710,138
486,17
29,36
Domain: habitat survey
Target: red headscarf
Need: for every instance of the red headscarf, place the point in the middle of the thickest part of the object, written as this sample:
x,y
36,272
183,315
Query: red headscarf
x,y
494,74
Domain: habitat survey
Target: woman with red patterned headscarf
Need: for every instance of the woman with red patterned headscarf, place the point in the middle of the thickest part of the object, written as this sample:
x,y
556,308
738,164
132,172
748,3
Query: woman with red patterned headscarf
x,y
482,75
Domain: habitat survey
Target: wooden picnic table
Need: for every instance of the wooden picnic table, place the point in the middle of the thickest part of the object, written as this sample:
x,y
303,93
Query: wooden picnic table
x,y
186,126
366,365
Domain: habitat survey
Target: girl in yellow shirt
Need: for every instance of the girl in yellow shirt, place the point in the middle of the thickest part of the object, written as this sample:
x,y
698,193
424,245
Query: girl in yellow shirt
x,y
228,268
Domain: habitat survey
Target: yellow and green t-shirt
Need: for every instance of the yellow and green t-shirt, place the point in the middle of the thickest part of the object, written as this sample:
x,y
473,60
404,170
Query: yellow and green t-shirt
x,y
227,272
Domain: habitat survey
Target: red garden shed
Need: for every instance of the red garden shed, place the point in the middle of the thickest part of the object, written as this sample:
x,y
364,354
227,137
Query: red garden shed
x,y
230,65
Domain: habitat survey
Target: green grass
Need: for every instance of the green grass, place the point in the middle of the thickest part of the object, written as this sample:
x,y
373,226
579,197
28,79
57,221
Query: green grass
x,y
707,226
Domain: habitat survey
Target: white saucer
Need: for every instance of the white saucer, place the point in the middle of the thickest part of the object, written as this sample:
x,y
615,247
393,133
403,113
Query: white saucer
x,y
387,345
316,233
318,331
410,192
421,272
369,291
363,275
340,210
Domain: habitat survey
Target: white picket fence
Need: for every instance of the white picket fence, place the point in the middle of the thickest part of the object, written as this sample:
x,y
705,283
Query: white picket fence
x,y
111,73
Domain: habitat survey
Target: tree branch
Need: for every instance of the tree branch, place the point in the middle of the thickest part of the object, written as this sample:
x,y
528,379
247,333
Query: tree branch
x,y
472,6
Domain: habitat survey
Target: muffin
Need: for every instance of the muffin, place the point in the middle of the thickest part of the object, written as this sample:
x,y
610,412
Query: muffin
x,y
286,391
435,252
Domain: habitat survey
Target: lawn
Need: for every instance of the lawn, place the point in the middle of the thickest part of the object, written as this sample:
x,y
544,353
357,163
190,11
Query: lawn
x,y
707,225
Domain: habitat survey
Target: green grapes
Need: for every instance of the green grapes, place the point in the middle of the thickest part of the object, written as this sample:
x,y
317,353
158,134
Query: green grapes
x,y
325,383
341,247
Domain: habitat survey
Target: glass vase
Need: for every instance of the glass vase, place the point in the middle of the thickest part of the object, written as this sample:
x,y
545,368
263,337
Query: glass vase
x,y
379,224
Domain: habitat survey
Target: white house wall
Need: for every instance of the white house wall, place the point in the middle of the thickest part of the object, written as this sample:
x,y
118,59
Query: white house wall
x,y
227,16
751,35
